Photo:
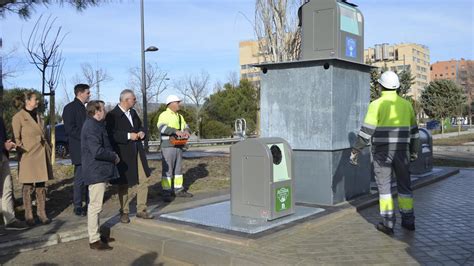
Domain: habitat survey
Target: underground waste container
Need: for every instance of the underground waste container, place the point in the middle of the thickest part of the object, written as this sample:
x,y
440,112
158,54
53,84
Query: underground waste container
x,y
262,178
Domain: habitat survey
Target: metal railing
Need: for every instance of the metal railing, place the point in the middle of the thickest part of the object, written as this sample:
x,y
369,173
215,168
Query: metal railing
x,y
154,144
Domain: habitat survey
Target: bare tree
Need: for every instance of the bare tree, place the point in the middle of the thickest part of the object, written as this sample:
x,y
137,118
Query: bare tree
x,y
217,87
277,31
67,95
233,79
43,49
9,70
42,46
92,76
155,83
195,88
53,78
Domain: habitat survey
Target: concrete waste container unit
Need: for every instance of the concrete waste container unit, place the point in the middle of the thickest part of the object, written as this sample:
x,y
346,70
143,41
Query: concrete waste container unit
x,y
332,29
424,163
262,178
319,102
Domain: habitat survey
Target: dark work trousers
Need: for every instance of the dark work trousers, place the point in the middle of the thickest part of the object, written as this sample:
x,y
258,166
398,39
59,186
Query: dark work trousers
x,y
80,189
385,165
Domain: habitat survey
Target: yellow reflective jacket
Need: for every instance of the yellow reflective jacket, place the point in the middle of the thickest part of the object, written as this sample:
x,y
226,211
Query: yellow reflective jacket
x,y
390,123
168,123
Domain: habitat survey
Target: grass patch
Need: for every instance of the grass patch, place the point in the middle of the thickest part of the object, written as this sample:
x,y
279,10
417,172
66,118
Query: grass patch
x,y
452,163
454,141
448,130
201,175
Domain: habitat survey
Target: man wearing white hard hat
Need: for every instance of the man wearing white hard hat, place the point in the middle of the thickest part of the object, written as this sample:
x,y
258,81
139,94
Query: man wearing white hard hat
x,y
390,125
174,133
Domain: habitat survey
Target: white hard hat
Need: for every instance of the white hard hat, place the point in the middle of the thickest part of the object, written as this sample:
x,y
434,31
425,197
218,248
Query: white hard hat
x,y
172,98
389,80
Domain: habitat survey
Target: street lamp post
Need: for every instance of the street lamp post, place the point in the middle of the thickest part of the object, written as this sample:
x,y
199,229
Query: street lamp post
x,y
143,83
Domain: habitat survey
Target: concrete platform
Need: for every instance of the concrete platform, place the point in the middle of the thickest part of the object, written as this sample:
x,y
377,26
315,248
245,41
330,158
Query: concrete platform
x,y
218,215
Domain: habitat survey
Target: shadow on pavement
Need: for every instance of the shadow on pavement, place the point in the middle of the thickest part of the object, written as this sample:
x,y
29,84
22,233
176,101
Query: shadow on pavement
x,y
195,173
146,259
61,192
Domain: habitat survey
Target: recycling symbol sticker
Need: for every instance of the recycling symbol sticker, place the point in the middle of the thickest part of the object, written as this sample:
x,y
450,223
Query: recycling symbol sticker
x,y
283,198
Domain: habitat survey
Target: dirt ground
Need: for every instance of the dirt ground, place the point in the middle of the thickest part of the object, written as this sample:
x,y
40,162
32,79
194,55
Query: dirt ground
x,y
200,175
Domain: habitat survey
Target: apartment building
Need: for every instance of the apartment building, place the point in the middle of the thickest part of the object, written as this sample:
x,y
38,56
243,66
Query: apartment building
x,y
249,55
455,70
397,57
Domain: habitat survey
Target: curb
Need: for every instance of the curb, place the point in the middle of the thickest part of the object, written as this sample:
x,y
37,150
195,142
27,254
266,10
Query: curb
x,y
465,148
27,244
42,241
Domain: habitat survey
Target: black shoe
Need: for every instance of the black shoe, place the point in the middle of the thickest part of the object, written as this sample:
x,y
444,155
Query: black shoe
x,y
184,194
106,239
99,245
408,226
16,225
145,215
384,229
167,196
84,211
78,211
124,218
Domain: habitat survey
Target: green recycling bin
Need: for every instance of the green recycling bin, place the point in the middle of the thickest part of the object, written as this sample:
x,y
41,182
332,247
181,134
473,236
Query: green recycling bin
x,y
262,178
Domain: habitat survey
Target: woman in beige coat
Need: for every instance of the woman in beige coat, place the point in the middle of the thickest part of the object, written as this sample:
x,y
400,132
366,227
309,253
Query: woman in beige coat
x,y
34,167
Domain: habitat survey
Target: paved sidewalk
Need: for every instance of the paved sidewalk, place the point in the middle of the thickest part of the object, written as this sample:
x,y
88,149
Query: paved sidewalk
x,y
444,236
79,253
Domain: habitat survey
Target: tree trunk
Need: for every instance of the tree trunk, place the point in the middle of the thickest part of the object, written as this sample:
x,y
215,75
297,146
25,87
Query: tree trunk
x,y
442,125
52,127
459,126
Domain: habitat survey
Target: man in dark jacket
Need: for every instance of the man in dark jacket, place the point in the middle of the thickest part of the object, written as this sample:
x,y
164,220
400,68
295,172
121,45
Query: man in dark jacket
x,y
98,155
6,183
126,134
74,115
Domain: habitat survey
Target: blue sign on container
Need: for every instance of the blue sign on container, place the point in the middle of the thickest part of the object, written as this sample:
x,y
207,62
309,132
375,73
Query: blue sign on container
x,y
351,47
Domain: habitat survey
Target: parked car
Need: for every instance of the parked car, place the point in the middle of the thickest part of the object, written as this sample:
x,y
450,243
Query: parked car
x,y
433,125
62,147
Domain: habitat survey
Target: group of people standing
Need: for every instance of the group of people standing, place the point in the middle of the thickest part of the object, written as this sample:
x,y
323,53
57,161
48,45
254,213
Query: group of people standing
x,y
104,148
109,146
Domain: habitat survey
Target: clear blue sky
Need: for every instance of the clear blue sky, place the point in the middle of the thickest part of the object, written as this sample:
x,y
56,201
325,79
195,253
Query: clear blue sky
x,y
193,35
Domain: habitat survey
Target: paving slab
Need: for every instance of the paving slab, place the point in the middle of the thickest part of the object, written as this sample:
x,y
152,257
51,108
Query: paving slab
x,y
218,215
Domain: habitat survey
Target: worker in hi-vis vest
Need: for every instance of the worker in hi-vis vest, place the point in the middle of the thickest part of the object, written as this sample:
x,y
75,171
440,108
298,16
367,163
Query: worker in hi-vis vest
x,y
174,133
390,125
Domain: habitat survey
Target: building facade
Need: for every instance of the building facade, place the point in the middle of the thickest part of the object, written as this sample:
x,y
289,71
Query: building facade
x,y
398,57
455,70
249,55
459,71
